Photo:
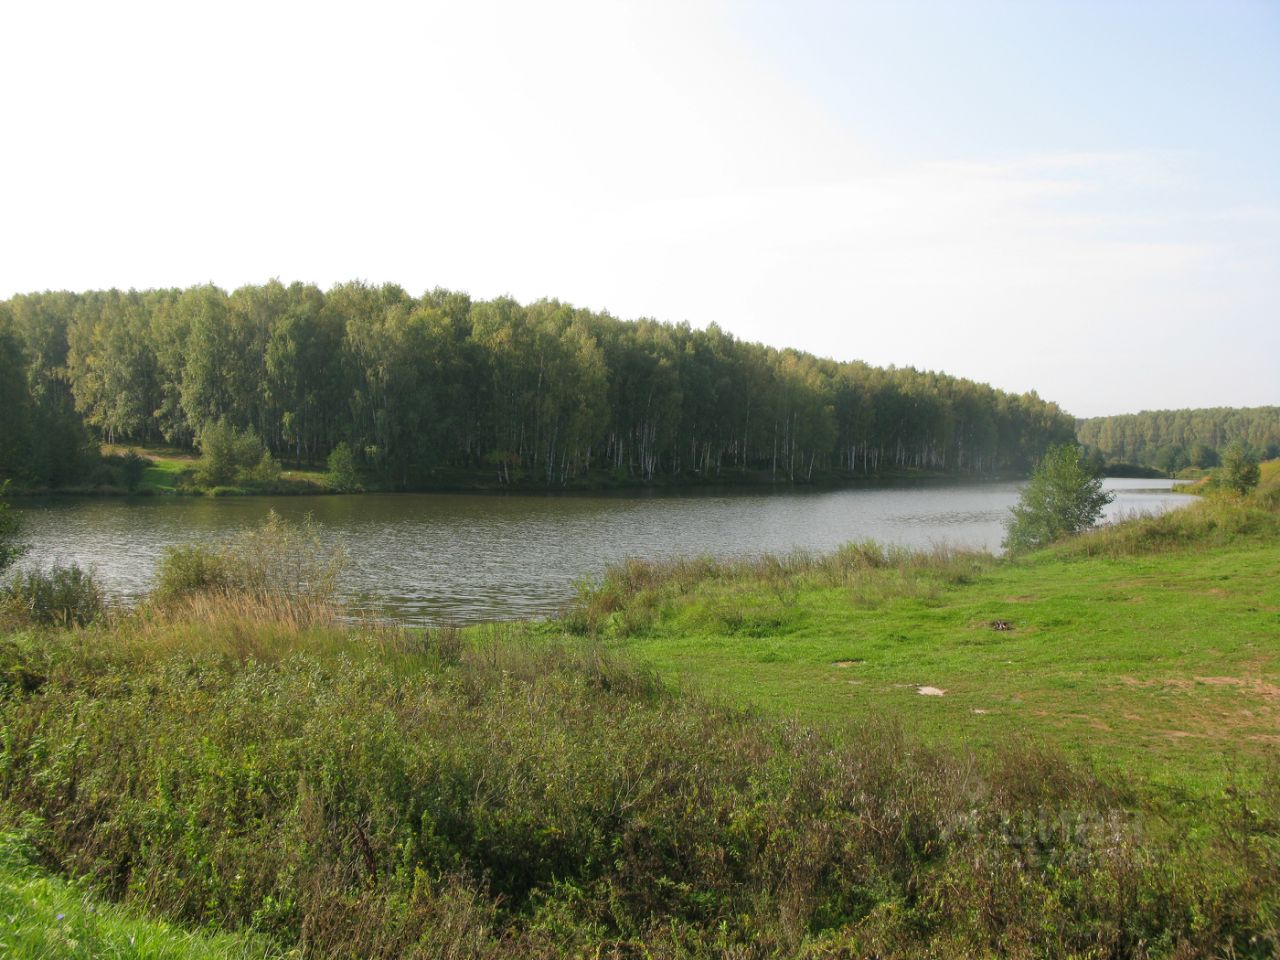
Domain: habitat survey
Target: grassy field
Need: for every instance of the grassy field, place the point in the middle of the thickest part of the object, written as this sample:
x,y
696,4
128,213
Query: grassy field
x,y
1154,659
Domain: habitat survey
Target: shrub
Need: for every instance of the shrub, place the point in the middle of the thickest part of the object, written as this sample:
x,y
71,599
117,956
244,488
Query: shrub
x,y
228,456
192,568
536,801
279,560
342,476
61,596
1240,472
1063,497
132,467
266,471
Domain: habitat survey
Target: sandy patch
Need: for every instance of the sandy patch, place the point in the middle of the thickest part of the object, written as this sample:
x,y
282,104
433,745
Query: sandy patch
x,y
930,692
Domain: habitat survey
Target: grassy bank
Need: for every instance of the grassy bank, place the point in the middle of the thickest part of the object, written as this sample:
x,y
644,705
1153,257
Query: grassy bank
x,y
1148,648
172,471
1098,777
44,917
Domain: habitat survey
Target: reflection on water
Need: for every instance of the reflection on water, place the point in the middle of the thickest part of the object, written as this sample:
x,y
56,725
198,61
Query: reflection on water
x,y
458,557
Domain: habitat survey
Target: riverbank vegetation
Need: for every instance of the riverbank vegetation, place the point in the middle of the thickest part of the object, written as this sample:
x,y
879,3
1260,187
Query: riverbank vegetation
x,y
1172,441
1145,645
443,391
873,752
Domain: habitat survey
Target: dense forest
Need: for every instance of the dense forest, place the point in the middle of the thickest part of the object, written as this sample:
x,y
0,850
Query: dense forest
x,y
1171,440
442,385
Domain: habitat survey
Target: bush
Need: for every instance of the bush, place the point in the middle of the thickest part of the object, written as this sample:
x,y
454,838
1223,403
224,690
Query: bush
x,y
1240,472
279,559
342,475
228,456
61,596
1063,497
192,568
132,467
266,471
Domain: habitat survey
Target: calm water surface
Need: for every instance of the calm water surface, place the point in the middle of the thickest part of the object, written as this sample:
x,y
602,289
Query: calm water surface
x,y
459,558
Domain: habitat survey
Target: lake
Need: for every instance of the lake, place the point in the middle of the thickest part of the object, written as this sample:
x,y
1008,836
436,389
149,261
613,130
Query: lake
x,y
433,558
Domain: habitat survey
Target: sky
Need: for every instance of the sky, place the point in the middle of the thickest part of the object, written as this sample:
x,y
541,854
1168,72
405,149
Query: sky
x,y
1077,198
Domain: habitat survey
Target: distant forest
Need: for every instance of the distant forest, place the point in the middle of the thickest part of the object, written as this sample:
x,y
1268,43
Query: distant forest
x,y
1171,440
441,385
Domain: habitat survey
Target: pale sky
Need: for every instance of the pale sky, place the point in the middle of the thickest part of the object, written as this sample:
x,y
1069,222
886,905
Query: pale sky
x,y
1077,198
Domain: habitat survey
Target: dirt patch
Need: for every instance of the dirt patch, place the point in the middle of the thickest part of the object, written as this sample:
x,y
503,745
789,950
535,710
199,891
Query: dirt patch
x,y
931,692
845,664
1169,683
1257,687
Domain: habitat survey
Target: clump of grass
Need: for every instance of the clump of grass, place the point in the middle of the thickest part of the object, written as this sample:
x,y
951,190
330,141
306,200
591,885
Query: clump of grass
x,y
631,595
1217,519
62,596
278,562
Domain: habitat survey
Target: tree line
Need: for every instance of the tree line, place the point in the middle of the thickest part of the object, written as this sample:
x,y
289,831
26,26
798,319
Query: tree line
x,y
418,387
1171,440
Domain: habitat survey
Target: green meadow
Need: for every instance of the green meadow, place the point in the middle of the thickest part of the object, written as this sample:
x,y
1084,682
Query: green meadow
x,y
870,753
1160,664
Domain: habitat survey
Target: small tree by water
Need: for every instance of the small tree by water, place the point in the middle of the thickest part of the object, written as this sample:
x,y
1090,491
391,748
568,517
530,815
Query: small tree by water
x,y
229,455
1240,472
1063,497
342,475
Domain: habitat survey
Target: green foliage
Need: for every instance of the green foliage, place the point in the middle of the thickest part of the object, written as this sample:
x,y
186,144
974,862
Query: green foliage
x,y
1062,498
429,389
1161,438
11,545
266,471
47,917
60,596
342,475
1239,472
229,455
134,465
1204,457
278,559
372,791
522,800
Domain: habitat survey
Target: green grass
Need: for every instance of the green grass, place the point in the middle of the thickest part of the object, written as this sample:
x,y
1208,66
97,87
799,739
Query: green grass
x,y
1150,650
43,917
172,471
1164,665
